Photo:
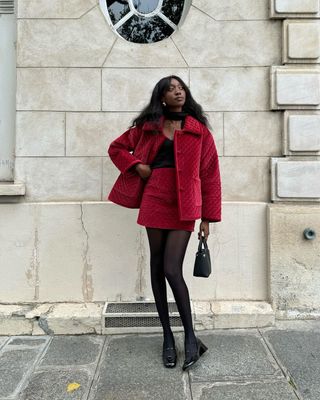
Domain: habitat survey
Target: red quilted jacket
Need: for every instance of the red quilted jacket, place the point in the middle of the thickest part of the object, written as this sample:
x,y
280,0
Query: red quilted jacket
x,y
196,161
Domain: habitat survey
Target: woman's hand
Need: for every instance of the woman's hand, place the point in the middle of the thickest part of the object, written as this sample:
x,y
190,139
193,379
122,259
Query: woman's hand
x,y
143,170
204,227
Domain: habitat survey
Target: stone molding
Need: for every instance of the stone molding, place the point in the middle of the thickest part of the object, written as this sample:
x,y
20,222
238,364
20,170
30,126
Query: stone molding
x,y
295,180
295,87
294,9
12,189
301,41
301,133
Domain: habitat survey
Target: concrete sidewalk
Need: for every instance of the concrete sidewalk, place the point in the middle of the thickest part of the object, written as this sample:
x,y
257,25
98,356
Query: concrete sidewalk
x,y
280,362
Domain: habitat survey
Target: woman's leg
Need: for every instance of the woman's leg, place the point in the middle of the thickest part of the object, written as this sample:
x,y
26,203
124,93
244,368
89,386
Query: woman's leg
x,y
176,245
157,240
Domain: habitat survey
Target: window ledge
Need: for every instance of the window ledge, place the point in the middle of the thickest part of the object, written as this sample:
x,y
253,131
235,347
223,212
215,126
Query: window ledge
x,y
12,189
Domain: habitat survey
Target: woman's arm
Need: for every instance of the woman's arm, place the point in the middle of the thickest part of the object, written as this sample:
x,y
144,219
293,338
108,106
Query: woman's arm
x,y
119,149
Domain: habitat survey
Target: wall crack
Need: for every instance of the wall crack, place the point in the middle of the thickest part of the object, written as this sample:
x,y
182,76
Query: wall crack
x,y
87,282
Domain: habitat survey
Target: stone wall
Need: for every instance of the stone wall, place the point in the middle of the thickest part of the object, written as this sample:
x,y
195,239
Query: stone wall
x,y
79,86
295,88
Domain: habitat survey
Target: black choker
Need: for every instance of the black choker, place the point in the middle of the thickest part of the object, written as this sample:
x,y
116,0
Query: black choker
x,y
174,115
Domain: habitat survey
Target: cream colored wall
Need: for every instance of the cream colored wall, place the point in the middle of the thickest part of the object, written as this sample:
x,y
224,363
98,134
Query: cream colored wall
x,y
78,87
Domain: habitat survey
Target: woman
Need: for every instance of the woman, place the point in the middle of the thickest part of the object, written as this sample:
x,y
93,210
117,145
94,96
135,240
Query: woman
x,y
170,171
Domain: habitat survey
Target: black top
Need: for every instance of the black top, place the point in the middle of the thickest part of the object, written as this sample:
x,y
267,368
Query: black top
x,y
165,156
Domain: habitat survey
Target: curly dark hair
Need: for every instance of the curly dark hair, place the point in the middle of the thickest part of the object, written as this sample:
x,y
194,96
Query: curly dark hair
x,y
155,109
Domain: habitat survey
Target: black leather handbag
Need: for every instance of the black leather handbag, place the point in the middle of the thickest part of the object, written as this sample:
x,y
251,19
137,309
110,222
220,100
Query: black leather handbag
x,y
202,264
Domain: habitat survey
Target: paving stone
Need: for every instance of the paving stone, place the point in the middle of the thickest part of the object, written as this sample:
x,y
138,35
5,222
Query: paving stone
x,y
132,368
233,356
53,385
14,364
300,353
3,340
142,391
29,342
73,350
280,390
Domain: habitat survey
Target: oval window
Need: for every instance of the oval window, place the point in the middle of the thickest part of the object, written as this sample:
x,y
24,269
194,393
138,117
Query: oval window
x,y
145,21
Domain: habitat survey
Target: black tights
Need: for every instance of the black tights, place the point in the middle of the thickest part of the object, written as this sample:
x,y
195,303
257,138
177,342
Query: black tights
x,y
167,251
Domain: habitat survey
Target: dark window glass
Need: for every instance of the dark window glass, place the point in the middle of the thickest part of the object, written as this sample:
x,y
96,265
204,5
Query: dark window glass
x,y
173,10
145,6
117,9
145,30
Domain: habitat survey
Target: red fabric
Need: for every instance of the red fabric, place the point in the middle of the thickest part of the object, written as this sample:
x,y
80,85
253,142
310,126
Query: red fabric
x,y
159,204
197,168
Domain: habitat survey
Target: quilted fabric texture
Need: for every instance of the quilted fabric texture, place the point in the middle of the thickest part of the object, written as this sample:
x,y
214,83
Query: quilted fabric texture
x,y
197,167
159,205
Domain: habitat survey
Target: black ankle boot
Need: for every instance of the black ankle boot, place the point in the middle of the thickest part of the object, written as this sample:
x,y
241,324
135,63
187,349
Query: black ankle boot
x,y
193,356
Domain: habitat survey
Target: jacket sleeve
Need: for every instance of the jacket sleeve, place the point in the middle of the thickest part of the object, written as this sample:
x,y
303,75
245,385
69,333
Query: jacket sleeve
x,y
120,149
210,180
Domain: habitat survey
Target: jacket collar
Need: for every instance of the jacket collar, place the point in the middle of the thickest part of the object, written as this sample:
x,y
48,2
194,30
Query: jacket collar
x,y
191,125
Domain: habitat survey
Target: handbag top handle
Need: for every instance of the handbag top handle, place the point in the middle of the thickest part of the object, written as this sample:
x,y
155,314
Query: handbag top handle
x,y
202,241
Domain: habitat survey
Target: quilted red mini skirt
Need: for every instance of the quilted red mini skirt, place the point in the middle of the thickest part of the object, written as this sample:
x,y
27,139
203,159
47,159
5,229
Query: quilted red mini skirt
x,y
159,204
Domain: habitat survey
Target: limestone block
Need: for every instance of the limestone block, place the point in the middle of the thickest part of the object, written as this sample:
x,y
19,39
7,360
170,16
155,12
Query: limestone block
x,y
15,326
252,134
295,87
59,89
231,89
238,248
241,44
40,133
216,122
60,178
233,9
242,314
294,8
83,42
245,178
63,259
18,253
294,261
54,8
89,134
130,89
301,133
116,275
110,174
53,268
12,189
75,319
160,54
304,133
301,41
295,180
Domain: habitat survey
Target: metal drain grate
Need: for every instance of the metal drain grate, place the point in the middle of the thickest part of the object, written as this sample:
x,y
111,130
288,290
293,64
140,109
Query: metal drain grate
x,y
137,307
137,316
128,322
6,6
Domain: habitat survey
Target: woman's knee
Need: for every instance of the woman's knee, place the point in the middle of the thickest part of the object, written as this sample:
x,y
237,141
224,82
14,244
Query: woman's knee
x,y
171,273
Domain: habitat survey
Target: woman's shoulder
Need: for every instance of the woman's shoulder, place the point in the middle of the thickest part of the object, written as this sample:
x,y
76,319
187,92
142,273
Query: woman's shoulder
x,y
197,126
